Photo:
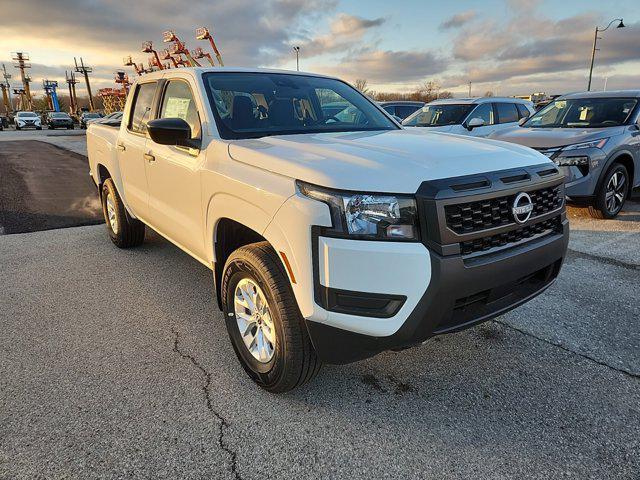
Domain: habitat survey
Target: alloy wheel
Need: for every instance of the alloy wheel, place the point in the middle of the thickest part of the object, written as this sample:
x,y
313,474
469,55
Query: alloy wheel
x,y
615,192
112,218
254,320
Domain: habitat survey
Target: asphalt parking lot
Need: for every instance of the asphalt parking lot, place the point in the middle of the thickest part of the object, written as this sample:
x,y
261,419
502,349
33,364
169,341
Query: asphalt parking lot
x,y
117,364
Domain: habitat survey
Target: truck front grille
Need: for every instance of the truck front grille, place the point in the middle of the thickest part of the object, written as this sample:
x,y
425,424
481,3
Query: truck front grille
x,y
510,237
471,217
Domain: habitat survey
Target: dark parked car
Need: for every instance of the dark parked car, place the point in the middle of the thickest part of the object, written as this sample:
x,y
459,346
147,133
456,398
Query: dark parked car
x,y
87,117
401,108
59,120
594,137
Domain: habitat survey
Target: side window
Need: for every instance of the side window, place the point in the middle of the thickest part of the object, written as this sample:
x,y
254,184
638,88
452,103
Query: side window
x,y
523,111
141,108
507,112
403,111
485,112
178,102
391,109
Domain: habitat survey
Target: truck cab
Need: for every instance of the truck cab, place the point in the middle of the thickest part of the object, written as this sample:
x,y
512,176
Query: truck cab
x,y
330,239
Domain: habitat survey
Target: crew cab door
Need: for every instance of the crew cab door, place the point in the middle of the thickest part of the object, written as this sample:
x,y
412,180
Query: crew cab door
x,y
175,204
131,145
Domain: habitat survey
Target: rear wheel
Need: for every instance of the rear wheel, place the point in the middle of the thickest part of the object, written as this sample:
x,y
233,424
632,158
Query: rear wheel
x,y
612,194
265,326
124,231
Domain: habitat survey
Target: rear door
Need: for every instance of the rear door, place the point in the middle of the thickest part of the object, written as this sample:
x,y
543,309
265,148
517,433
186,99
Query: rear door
x,y
508,115
130,146
175,203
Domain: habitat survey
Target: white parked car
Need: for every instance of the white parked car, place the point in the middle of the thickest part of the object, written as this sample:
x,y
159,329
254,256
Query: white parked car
x,y
477,117
27,120
330,239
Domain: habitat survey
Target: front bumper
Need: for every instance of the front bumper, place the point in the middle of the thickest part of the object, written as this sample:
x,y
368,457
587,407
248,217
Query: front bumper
x,y
29,125
461,293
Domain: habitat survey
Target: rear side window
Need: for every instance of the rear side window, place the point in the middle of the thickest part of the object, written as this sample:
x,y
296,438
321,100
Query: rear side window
x,y
507,112
141,108
403,111
178,102
391,109
523,111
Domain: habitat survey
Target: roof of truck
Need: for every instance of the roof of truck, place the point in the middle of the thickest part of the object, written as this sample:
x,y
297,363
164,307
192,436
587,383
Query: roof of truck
x,y
605,94
477,100
200,70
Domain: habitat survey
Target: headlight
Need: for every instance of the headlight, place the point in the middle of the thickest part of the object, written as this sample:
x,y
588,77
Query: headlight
x,y
367,215
571,161
593,144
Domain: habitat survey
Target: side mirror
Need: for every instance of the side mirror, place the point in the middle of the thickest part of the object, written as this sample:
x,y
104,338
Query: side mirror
x,y
474,123
522,120
171,131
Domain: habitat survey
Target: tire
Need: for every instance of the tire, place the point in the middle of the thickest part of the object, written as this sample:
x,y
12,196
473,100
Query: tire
x,y
38,128
124,231
17,127
293,360
612,193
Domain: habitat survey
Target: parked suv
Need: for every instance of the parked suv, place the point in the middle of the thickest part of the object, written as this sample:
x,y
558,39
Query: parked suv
x,y
594,137
59,120
330,240
27,120
478,117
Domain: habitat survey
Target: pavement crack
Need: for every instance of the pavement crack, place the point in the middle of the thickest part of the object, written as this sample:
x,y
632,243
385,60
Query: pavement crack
x,y
223,424
597,258
624,371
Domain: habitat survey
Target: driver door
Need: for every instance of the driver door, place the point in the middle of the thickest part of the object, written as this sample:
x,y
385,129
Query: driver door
x,y
485,112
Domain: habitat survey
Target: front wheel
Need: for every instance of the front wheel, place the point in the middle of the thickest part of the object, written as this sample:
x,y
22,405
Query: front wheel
x,y
612,194
124,231
264,322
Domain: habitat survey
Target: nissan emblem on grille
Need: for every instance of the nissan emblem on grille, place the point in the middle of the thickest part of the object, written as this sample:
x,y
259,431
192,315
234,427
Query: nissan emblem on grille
x,y
522,207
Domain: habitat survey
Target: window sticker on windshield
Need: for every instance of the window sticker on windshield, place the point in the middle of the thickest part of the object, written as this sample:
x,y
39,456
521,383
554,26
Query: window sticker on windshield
x,y
177,108
583,113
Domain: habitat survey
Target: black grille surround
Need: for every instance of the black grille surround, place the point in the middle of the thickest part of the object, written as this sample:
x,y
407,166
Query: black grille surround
x,y
476,221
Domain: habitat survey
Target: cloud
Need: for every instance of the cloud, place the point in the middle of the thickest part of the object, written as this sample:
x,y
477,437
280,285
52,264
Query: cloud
x,y
458,20
386,66
344,33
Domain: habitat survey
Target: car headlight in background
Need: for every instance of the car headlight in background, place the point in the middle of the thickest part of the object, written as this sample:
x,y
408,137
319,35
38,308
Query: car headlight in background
x,y
367,215
593,144
571,161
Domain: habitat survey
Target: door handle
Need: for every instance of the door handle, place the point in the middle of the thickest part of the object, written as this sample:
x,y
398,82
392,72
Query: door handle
x,y
149,158
120,147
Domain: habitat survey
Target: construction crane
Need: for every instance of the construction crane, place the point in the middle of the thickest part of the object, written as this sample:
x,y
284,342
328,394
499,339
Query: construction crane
x,y
70,78
179,48
202,33
23,104
147,47
6,90
50,88
138,67
176,62
22,64
85,70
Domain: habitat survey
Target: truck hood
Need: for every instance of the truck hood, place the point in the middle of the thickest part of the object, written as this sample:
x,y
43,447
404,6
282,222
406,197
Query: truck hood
x,y
391,161
443,128
553,137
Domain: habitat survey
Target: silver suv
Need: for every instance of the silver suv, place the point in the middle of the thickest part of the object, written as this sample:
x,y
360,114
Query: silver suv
x,y
594,137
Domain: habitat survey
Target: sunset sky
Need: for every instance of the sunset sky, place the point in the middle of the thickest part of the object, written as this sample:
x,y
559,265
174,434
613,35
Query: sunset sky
x,y
506,46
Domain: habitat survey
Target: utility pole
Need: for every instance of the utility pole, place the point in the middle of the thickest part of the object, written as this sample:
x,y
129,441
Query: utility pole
x,y
297,50
85,70
6,77
469,89
71,82
22,59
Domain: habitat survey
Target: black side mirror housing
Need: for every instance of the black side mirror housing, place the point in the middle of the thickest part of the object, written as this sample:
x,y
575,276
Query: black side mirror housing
x,y
171,131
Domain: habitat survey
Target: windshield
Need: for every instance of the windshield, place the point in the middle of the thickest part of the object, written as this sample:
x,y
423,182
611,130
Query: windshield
x,y
91,115
252,105
27,114
439,115
584,113
59,115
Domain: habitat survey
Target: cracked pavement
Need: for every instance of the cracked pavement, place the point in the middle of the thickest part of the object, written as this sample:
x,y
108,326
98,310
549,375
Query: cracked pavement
x,y
117,364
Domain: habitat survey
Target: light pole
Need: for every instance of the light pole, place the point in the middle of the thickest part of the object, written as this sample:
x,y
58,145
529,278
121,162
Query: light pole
x,y
297,50
595,42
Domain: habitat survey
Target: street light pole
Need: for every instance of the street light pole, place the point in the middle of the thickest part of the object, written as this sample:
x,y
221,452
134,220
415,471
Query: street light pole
x,y
297,50
595,43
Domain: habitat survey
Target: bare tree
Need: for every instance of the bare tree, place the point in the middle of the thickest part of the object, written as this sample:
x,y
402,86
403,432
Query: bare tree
x,y
362,85
488,93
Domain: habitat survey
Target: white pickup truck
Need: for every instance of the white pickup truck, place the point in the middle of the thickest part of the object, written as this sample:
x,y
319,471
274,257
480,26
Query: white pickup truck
x,y
331,236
